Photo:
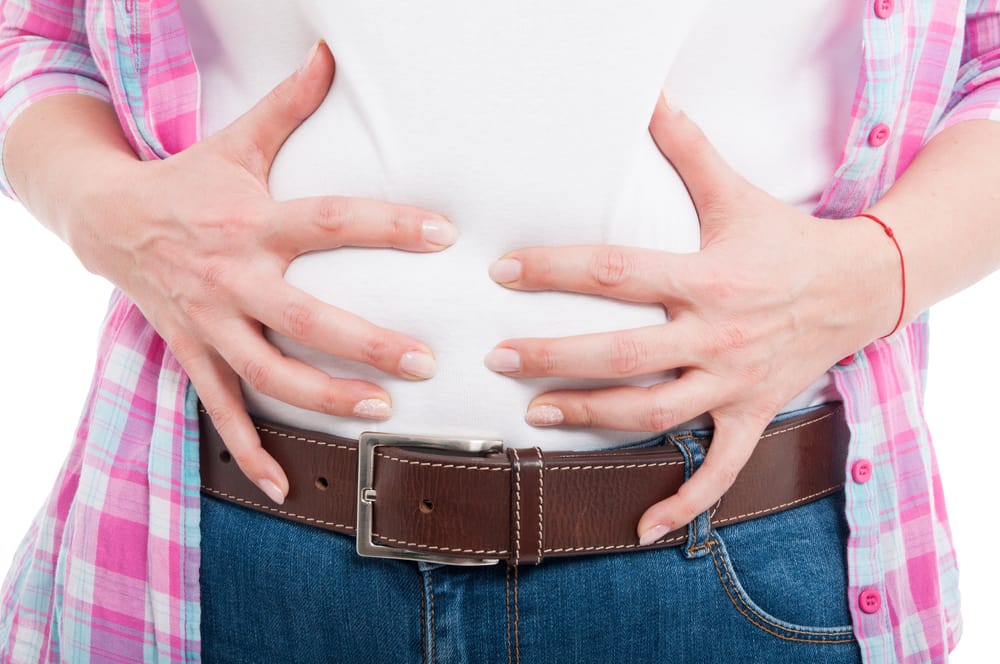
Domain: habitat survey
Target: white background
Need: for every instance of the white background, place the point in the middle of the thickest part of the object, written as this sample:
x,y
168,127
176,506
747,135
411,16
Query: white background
x,y
51,310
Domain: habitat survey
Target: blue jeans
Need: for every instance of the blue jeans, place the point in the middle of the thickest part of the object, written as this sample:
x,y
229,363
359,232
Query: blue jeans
x,y
768,590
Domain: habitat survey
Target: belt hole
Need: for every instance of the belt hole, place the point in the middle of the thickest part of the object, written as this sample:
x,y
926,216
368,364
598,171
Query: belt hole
x,y
225,456
322,483
426,506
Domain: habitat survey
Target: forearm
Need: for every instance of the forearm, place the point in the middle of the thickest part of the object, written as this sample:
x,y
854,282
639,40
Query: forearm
x,y
945,213
62,155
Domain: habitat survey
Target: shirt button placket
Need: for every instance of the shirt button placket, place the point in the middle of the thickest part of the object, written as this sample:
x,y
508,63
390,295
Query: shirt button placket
x,y
869,599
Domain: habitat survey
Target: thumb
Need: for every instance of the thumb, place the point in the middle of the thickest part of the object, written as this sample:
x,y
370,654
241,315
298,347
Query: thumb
x,y
709,179
272,120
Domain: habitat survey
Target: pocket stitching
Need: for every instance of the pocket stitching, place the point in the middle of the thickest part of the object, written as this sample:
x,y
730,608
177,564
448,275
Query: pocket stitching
x,y
750,611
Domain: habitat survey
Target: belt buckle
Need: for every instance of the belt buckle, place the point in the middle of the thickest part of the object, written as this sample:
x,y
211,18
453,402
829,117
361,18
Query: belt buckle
x,y
367,443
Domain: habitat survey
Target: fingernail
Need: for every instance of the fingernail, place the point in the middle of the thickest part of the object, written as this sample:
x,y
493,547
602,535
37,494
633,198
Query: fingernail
x,y
417,364
668,101
373,409
440,232
310,56
272,491
544,416
503,360
505,270
653,534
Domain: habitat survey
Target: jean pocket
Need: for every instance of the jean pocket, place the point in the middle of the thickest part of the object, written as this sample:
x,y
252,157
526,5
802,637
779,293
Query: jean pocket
x,y
786,573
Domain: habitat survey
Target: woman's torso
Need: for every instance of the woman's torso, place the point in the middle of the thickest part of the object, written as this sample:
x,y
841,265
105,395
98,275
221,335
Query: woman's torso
x,y
525,125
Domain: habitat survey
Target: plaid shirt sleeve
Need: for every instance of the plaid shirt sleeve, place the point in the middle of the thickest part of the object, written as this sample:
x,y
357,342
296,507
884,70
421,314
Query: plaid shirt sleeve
x,y
43,52
976,95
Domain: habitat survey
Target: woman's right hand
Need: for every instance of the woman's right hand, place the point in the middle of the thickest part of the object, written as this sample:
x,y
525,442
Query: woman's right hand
x,y
197,242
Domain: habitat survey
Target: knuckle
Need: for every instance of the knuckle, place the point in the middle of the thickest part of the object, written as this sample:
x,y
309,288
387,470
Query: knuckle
x,y
279,96
754,373
720,283
627,354
221,416
374,349
587,415
399,230
330,402
298,321
611,266
544,359
658,418
724,475
212,275
244,458
257,375
687,507
731,338
334,214
194,310
249,155
185,348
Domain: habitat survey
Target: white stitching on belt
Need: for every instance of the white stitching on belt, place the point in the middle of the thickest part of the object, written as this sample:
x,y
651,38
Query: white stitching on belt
x,y
541,501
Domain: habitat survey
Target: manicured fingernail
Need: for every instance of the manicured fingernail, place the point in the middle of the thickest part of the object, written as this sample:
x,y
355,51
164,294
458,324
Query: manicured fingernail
x,y
310,56
503,360
373,409
544,416
417,364
272,490
505,270
440,232
668,101
653,534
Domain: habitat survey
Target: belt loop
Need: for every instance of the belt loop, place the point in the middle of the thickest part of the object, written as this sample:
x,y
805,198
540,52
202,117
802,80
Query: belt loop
x,y
701,527
527,505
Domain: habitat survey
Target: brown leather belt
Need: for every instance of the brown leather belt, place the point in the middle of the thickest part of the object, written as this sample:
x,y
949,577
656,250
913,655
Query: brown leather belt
x,y
519,505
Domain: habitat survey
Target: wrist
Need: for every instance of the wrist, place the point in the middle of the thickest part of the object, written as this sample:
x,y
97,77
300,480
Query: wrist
x,y
101,211
866,279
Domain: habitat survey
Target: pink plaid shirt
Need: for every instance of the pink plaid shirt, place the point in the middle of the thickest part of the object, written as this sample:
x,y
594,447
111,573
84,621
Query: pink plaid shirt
x,y
109,568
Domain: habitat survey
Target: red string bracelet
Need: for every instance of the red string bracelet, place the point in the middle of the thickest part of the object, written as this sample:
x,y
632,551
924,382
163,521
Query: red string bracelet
x,y
902,267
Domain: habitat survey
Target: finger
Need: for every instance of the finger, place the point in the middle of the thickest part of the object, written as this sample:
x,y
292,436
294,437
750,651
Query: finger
x,y
314,323
263,129
627,408
707,176
616,354
329,222
219,390
732,444
269,372
624,273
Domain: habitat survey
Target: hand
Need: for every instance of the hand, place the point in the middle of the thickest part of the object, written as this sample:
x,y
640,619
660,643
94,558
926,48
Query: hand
x,y
772,300
200,246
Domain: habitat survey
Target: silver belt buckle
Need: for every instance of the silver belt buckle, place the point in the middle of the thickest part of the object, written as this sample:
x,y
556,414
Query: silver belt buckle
x,y
367,443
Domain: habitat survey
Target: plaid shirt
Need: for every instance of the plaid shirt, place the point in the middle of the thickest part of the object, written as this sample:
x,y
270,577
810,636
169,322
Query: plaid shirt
x,y
109,568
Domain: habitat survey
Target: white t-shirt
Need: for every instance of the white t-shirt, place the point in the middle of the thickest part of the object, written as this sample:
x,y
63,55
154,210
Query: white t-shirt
x,y
524,123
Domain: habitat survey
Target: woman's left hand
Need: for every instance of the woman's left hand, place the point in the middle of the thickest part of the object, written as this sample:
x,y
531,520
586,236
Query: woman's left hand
x,y
773,299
